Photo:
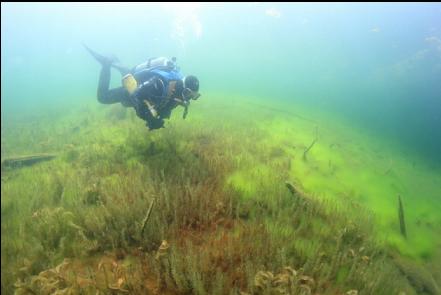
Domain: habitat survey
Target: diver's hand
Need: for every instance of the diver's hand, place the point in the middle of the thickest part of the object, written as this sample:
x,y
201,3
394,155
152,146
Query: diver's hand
x,y
153,124
144,113
185,104
184,115
139,105
181,102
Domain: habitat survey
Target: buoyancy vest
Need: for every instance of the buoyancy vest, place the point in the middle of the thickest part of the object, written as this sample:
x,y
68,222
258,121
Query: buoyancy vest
x,y
167,73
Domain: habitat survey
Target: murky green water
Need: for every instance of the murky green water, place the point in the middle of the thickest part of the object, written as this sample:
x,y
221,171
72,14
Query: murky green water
x,y
362,80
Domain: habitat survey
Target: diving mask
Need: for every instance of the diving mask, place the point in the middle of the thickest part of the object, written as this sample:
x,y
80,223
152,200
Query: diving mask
x,y
188,94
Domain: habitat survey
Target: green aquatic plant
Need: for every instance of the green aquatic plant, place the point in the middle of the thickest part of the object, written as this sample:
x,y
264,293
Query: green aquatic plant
x,y
220,199
288,281
116,113
419,277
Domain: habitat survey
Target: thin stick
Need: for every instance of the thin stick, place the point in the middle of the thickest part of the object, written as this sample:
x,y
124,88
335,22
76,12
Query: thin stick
x,y
295,191
312,143
401,217
291,187
105,276
147,216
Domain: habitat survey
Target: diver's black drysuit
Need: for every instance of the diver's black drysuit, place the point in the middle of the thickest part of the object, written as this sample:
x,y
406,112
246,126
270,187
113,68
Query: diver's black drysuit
x,y
109,96
154,98
151,89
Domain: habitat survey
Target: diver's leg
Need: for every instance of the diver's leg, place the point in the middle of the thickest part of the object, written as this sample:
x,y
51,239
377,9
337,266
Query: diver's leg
x,y
104,94
103,84
111,60
109,96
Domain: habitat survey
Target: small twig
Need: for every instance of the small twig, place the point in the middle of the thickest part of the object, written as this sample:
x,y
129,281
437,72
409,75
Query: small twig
x,y
401,217
295,191
312,143
147,216
117,289
291,187
105,275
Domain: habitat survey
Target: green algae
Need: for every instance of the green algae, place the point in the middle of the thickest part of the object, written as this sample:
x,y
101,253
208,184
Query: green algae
x,y
209,177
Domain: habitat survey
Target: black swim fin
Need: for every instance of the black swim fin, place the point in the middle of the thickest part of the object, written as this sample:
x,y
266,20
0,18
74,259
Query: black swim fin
x,y
122,69
101,58
104,60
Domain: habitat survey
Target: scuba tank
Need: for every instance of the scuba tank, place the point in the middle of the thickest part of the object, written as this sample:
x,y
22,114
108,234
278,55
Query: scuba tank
x,y
161,67
157,63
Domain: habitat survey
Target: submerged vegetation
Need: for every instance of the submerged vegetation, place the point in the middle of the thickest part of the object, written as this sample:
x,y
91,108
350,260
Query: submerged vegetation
x,y
199,207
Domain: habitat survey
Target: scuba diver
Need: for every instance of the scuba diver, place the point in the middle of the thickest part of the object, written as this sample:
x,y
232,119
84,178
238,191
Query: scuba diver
x,y
154,88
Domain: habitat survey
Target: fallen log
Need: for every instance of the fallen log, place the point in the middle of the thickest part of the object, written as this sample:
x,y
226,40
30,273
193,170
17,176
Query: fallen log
x,y
22,161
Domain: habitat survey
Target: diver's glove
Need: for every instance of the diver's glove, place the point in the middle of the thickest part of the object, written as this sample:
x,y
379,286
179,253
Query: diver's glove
x,y
185,104
153,123
143,107
184,115
143,111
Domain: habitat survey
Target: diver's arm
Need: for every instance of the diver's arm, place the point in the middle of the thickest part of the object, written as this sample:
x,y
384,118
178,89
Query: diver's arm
x,y
185,104
181,102
143,98
150,89
184,115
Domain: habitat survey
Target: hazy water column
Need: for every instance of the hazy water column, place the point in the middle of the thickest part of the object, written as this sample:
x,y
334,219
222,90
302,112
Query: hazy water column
x,y
378,65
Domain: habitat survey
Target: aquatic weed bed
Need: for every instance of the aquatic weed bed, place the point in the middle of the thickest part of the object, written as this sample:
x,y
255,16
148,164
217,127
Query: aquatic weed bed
x,y
222,221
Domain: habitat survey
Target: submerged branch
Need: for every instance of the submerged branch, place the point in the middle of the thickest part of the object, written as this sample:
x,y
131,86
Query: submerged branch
x,y
16,162
401,217
295,191
147,216
312,143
